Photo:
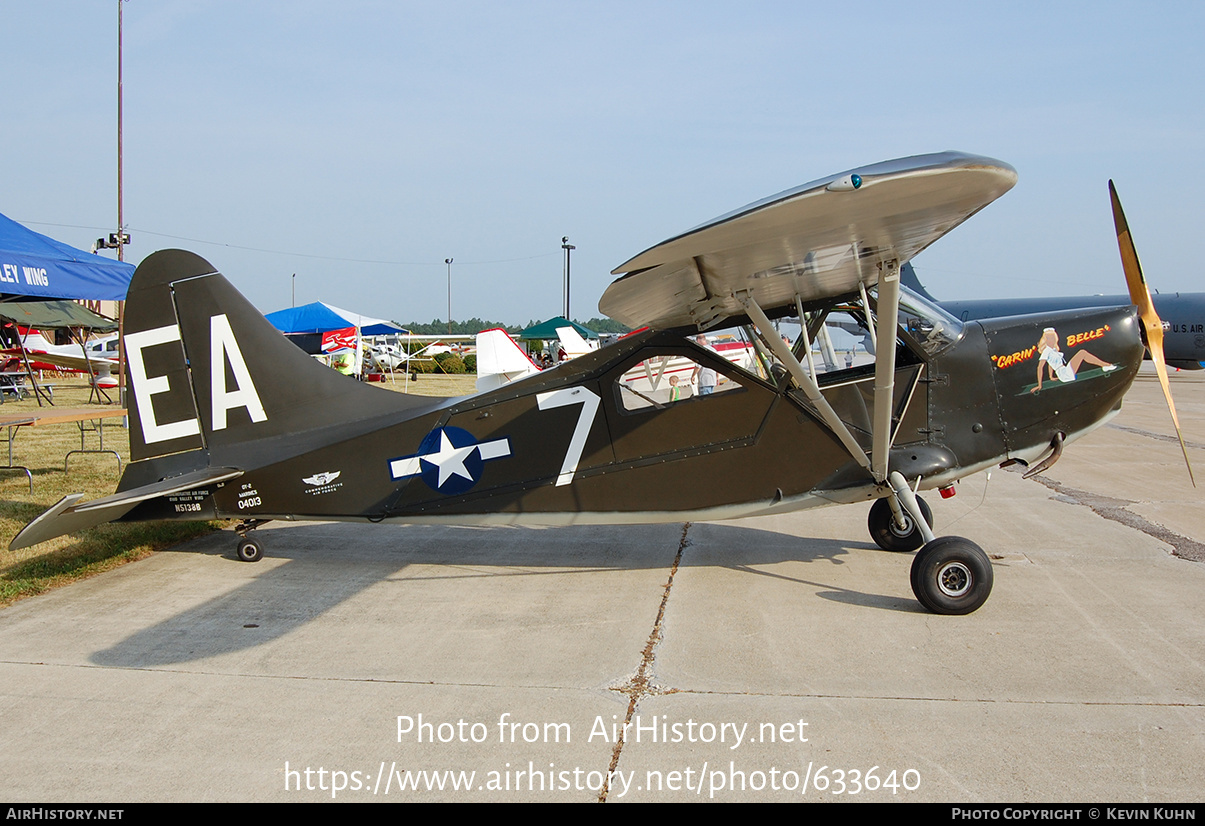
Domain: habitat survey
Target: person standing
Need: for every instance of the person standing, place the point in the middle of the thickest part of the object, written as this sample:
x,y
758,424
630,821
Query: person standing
x,y
703,375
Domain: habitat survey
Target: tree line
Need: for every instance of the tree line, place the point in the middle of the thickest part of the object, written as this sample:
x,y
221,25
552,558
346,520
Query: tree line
x,y
473,326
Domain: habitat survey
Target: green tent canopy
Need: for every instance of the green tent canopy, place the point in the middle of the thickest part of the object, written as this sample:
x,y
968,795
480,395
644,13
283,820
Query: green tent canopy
x,y
546,330
55,315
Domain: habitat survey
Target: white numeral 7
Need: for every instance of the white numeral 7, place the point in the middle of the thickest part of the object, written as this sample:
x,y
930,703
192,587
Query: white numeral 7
x,y
589,400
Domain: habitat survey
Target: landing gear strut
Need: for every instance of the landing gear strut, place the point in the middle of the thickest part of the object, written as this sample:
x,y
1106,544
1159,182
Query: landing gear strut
x,y
888,534
950,575
248,550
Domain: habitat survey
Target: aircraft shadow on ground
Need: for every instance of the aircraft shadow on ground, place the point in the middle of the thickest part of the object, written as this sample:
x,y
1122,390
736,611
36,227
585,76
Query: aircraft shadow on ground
x,y
331,563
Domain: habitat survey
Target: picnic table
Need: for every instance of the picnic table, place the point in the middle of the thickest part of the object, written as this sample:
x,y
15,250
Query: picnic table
x,y
87,419
13,381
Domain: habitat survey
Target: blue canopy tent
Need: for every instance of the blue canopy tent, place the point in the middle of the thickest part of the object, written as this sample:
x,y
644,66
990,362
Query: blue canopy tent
x,y
32,264
321,317
305,326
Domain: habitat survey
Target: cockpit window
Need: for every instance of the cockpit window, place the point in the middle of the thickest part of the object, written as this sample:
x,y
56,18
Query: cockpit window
x,y
840,344
663,381
932,327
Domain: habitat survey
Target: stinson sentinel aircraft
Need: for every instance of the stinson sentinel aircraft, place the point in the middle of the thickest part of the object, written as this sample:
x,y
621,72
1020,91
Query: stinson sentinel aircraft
x,y
230,420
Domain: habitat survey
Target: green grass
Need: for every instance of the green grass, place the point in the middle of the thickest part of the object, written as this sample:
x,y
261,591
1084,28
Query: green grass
x,y
432,384
74,557
69,558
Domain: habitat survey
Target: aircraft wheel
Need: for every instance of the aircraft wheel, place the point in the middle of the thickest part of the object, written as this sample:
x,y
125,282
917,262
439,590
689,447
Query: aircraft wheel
x,y
887,535
249,550
951,575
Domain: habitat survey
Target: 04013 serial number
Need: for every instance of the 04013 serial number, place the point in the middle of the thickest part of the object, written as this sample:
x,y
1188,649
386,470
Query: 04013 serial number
x,y
852,781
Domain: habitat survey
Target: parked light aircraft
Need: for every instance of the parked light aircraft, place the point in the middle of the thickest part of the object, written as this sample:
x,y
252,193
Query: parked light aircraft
x,y
229,420
98,357
395,351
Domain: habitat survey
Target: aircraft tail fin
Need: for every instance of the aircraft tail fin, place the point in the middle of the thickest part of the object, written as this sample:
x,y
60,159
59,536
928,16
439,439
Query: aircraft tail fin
x,y
908,279
208,372
208,377
500,360
573,342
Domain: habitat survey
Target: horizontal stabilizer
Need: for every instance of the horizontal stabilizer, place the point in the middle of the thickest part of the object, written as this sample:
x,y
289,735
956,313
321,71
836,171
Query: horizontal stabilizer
x,y
166,487
67,517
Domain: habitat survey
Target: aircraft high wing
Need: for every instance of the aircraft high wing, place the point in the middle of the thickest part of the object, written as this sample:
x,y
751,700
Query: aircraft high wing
x,y
97,358
229,420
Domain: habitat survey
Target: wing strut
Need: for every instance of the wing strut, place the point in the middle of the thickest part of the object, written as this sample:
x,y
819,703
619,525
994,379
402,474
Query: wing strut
x,y
887,318
887,312
779,348
807,341
874,340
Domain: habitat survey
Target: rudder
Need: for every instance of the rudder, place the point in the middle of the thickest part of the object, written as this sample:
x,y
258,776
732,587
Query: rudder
x,y
207,370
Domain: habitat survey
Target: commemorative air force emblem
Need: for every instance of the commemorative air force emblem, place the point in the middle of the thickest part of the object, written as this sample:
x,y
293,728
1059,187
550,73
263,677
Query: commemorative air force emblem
x,y
319,479
449,460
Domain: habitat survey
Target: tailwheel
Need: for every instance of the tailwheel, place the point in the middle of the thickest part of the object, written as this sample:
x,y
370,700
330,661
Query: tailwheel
x,y
951,575
892,537
249,550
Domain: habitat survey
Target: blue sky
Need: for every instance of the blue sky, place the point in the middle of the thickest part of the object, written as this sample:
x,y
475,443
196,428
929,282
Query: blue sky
x,y
359,144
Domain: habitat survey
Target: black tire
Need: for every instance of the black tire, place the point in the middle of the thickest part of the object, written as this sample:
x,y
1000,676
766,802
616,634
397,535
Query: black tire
x,y
249,550
952,575
887,535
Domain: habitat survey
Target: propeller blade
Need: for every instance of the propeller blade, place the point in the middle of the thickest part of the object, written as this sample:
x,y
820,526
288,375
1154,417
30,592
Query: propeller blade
x,y
1140,295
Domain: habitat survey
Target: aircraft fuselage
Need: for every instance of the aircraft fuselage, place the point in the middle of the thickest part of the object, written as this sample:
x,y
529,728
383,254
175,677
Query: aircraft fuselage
x,y
1183,317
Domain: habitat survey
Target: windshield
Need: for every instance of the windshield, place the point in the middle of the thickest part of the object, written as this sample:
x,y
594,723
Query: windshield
x,y
932,327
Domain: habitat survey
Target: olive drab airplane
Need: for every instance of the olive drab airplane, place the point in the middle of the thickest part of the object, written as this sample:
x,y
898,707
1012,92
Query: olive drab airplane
x,y
230,420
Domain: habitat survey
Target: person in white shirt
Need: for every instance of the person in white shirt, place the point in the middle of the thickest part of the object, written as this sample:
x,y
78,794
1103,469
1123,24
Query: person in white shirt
x,y
704,376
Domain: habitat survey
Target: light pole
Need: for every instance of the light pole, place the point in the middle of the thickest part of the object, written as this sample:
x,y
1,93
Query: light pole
x,y
448,261
568,248
122,240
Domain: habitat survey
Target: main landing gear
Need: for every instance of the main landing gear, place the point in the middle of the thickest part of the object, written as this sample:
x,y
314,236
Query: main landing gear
x,y
248,549
950,575
889,534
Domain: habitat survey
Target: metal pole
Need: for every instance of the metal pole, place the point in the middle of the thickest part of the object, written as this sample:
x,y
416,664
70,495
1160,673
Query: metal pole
x,y
121,340
448,261
120,212
568,248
